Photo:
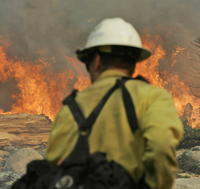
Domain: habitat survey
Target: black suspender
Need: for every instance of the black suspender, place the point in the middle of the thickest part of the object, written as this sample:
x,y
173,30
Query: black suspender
x,y
87,123
129,106
81,150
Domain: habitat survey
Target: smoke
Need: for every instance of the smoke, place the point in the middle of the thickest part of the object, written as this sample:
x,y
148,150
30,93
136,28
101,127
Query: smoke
x,y
55,28
7,89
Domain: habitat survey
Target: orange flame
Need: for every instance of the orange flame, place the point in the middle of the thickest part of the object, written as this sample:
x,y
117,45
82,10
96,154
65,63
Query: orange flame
x,y
42,90
149,68
181,93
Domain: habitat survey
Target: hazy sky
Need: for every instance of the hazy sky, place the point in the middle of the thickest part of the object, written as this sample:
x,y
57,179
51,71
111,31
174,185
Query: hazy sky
x,y
58,27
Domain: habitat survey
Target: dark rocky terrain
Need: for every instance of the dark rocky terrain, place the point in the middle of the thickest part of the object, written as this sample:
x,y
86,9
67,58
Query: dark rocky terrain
x,y
23,137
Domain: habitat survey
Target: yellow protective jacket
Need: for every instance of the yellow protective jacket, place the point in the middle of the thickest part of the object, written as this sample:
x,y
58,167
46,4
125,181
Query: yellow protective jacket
x,y
151,150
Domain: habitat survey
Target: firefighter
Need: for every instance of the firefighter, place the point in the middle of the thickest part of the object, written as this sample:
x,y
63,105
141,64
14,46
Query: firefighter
x,y
112,50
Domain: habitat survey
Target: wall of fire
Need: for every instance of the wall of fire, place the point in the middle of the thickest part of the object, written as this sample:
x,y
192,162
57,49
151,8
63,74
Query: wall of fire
x,y
38,39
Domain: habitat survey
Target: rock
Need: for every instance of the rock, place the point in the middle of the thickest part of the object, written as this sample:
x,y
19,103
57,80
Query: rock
x,y
189,183
2,164
3,153
9,149
188,111
190,161
24,130
196,148
191,137
18,160
3,156
180,152
7,178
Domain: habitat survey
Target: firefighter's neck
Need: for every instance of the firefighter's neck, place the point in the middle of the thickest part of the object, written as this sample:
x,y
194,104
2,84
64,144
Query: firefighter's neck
x,y
95,69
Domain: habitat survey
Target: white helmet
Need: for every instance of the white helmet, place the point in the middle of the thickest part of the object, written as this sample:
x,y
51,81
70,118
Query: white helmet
x,y
114,32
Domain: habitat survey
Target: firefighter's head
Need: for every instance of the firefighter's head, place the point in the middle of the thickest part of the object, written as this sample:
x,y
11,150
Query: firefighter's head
x,y
113,44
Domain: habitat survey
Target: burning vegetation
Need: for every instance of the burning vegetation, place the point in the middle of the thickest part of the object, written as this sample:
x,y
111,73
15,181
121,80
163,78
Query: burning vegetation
x,y
36,74
38,89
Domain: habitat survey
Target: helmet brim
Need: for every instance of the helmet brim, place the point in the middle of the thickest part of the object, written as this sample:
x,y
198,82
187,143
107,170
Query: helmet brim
x,y
84,53
145,53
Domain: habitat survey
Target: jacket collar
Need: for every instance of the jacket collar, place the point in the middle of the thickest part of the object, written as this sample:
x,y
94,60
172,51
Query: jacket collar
x,y
111,73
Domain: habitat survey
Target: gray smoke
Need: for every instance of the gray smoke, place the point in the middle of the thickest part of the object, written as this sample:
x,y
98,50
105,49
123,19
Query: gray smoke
x,y
55,28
